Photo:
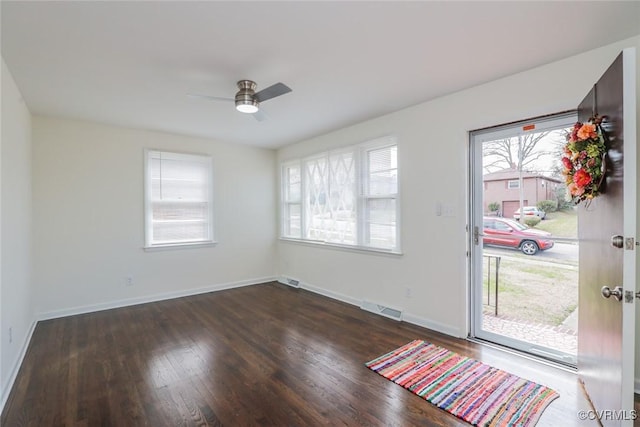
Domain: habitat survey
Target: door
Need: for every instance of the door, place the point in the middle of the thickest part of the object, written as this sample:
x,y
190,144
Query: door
x,y
606,333
524,285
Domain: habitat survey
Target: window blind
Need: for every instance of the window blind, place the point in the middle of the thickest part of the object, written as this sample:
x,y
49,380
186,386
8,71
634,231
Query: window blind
x,y
178,198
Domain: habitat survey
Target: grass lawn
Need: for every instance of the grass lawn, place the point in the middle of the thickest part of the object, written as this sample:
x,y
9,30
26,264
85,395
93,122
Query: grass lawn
x,y
560,224
537,292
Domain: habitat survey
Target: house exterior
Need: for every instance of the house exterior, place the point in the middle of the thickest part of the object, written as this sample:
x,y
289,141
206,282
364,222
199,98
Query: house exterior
x,y
503,187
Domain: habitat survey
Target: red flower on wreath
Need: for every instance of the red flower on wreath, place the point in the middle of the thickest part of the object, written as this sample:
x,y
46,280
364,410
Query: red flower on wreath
x,y
582,178
567,163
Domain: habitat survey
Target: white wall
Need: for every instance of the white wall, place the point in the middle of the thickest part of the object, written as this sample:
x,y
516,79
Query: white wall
x,y
16,308
432,147
88,208
88,218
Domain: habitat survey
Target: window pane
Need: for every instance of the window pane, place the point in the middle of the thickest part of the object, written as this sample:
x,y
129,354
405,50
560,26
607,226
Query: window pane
x,y
382,236
316,196
383,171
382,211
179,180
381,224
179,231
292,182
330,198
179,191
291,208
164,211
292,225
382,183
342,182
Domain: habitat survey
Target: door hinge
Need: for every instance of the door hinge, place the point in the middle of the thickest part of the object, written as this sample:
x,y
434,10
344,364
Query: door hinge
x,y
630,295
630,243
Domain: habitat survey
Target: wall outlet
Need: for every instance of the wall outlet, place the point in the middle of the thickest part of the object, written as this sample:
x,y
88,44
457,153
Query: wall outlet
x,y
407,292
10,335
128,281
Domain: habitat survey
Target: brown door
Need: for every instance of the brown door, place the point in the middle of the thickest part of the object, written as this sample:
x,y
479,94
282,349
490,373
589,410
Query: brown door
x,y
511,206
605,340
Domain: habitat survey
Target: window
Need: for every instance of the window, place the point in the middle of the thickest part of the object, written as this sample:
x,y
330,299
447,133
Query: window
x,y
178,199
343,197
513,183
291,199
501,226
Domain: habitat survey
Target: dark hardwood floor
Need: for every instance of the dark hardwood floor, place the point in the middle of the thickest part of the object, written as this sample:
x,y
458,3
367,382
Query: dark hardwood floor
x,y
259,355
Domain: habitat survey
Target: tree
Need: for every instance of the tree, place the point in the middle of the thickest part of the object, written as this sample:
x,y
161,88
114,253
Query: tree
x,y
514,153
517,153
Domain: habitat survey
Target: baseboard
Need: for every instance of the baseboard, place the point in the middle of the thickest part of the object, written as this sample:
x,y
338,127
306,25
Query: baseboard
x,y
406,317
330,294
6,389
150,298
433,325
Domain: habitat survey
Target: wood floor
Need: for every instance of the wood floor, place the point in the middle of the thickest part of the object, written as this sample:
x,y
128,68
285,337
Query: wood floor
x,y
259,355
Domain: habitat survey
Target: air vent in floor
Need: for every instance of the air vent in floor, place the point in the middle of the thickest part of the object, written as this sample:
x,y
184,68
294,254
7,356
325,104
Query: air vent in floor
x,y
391,313
289,282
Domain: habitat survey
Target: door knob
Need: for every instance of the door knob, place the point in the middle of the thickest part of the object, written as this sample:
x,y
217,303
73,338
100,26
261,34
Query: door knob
x,y
617,241
616,292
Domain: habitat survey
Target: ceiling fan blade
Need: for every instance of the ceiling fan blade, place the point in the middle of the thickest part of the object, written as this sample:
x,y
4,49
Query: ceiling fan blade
x,y
210,98
260,115
271,92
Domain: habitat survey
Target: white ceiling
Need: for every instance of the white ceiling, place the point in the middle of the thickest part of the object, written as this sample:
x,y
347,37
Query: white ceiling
x,y
132,63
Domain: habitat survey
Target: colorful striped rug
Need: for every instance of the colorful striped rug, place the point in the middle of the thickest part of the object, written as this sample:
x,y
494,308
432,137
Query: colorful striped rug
x,y
470,390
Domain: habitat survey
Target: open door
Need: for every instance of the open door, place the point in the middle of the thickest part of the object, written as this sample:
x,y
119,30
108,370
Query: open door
x,y
607,232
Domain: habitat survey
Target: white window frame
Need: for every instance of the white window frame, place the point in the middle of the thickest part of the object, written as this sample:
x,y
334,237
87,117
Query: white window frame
x,y
148,208
286,202
361,175
513,184
364,198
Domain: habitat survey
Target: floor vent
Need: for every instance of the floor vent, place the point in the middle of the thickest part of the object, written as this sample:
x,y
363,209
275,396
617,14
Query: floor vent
x,y
289,282
391,313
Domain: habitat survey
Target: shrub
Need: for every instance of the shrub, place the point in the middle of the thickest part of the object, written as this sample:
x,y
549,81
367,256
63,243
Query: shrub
x,y
564,205
548,205
532,221
494,206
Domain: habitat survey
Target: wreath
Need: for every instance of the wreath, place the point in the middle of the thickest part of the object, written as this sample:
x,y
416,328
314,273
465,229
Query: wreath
x,y
584,160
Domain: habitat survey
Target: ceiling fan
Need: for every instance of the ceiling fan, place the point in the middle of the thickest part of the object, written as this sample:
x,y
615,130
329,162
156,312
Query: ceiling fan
x,y
247,100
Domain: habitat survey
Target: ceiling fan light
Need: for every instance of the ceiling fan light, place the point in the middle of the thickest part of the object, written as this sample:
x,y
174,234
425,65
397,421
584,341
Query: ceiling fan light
x,y
247,106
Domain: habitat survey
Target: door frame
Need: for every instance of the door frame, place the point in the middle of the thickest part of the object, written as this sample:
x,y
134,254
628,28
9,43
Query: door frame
x,y
630,212
475,215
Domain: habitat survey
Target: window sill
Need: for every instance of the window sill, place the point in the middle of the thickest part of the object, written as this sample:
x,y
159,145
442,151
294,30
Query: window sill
x,y
174,246
348,248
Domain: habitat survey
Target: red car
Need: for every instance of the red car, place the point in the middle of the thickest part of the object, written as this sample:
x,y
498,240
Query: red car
x,y
512,234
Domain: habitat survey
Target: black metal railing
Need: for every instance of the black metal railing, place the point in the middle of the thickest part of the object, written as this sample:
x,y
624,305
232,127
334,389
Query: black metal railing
x,y
495,260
